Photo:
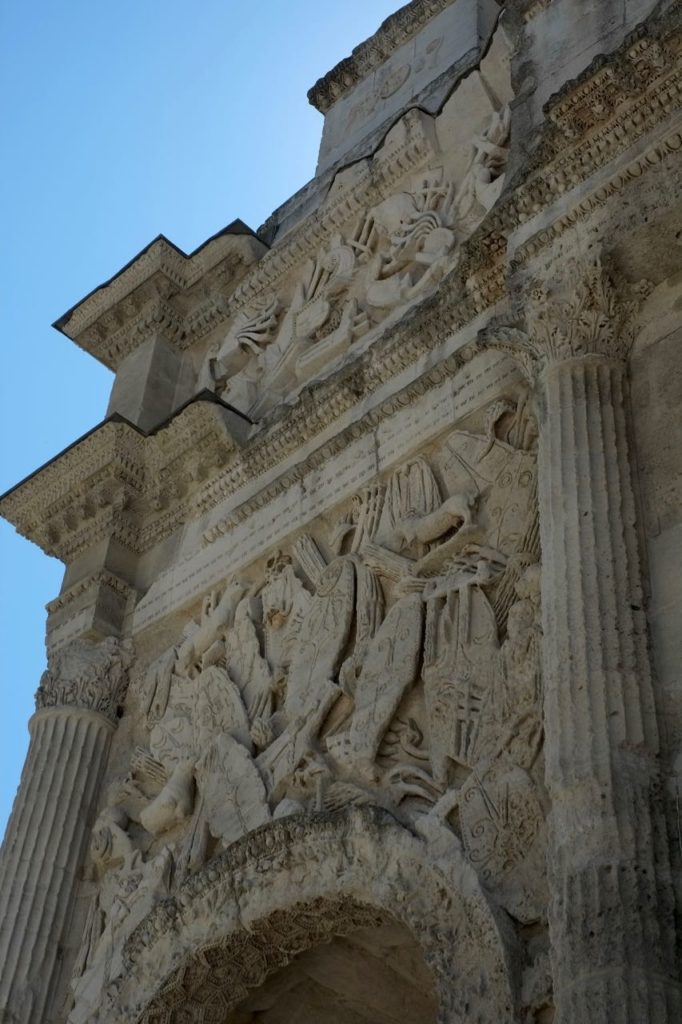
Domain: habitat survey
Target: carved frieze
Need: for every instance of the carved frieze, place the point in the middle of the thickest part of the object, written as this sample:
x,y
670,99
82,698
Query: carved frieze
x,y
337,650
395,253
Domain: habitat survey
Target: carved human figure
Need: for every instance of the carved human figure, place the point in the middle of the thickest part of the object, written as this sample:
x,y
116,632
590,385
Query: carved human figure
x,y
412,494
413,242
128,886
390,667
511,720
216,682
484,179
285,602
249,334
312,688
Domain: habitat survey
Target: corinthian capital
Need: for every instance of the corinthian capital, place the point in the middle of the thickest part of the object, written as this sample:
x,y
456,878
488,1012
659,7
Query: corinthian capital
x,y
88,675
590,311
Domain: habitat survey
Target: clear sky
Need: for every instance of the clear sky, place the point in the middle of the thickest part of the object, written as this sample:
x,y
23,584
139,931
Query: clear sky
x,y
120,121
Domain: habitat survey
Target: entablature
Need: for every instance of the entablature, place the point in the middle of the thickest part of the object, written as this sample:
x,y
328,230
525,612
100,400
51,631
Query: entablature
x,y
161,290
108,484
370,54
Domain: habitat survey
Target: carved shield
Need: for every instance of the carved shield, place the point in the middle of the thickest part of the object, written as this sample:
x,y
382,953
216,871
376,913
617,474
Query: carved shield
x,y
172,737
219,708
503,831
323,637
505,476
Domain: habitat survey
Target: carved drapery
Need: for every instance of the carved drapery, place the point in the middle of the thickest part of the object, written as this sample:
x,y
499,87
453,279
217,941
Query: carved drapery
x,y
48,831
611,904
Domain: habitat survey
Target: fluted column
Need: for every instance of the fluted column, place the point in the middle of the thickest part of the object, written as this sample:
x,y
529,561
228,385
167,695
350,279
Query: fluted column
x,y
611,911
48,830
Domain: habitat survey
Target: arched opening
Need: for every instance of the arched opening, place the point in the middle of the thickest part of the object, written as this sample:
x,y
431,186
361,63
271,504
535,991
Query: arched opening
x,y
342,918
374,974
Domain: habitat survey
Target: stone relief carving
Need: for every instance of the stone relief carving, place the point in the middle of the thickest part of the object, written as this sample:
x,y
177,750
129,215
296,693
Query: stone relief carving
x,y
396,252
393,659
128,887
453,745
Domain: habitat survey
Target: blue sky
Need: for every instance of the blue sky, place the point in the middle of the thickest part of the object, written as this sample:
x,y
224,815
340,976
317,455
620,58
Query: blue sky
x,y
121,121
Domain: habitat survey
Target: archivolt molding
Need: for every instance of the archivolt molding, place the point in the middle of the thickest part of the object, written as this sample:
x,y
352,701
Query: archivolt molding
x,y
390,659
252,908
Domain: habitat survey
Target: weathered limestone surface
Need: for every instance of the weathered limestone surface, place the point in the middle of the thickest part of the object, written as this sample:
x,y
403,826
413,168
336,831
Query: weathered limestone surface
x,y
363,698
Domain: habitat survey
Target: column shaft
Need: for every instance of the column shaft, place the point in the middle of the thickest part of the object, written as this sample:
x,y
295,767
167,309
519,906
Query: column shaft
x,y
42,853
612,908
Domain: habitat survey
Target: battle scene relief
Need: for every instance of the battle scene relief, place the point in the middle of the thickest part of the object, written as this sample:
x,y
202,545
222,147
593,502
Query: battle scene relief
x,y
362,697
389,657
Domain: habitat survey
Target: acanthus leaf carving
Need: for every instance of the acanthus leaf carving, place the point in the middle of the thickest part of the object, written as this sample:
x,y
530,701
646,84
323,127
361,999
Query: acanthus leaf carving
x,y
599,316
88,675
590,310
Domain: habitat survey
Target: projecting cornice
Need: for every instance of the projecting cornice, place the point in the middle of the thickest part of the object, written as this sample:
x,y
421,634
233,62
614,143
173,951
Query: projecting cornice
x,y
108,484
157,292
394,32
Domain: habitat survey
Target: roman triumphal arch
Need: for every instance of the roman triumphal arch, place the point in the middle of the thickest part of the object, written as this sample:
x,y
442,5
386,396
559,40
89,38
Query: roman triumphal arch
x,y
362,698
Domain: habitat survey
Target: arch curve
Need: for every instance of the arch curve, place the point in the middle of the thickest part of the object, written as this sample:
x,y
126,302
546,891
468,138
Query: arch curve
x,y
301,881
